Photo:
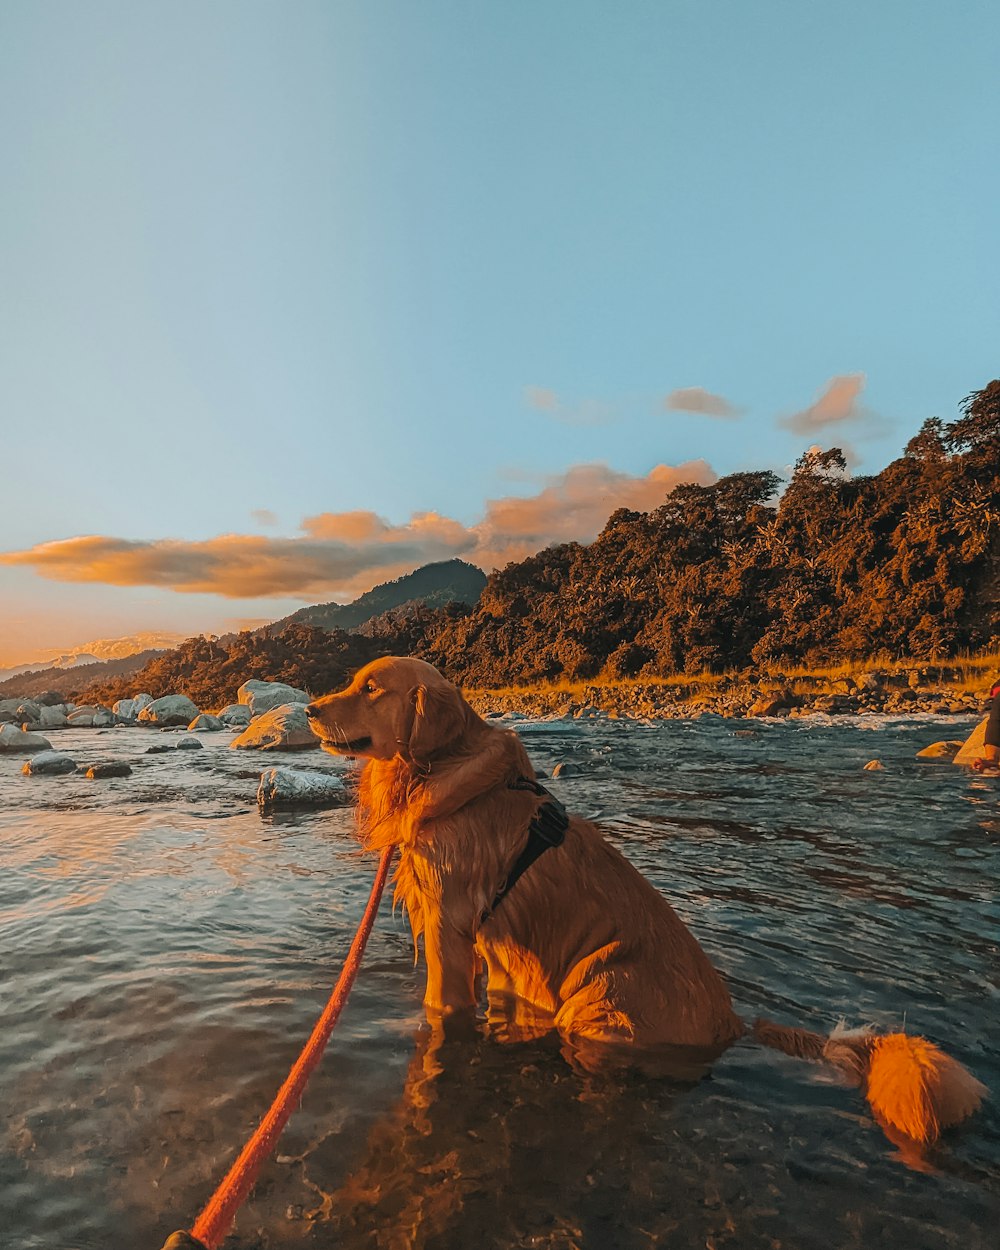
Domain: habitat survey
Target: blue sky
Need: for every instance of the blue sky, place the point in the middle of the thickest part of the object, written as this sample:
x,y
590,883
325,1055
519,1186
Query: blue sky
x,y
269,269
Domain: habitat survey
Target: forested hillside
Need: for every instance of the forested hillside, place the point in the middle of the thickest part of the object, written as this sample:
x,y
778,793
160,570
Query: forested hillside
x,y
903,563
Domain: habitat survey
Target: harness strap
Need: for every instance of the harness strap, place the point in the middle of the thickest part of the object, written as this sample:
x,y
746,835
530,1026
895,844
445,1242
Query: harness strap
x,y
547,829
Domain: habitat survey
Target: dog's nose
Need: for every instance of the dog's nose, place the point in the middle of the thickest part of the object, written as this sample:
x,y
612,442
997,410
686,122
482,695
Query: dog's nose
x,y
311,711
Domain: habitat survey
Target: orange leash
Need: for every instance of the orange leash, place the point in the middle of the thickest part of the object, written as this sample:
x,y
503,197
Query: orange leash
x,y
213,1224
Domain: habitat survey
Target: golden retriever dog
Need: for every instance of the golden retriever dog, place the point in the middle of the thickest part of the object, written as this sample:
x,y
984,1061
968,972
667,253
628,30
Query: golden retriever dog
x,y
581,935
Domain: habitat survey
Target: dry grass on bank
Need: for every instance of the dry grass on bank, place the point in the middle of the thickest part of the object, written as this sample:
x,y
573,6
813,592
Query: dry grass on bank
x,y
972,674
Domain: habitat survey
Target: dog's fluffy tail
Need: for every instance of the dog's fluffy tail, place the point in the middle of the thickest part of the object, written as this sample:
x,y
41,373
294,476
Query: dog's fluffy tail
x,y
910,1083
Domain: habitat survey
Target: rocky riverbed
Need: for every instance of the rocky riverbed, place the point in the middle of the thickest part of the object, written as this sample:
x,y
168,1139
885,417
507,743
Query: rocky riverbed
x,y
898,693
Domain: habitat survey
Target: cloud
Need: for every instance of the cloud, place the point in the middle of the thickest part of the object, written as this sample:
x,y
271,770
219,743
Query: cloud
x,y
697,399
836,404
343,553
573,507
585,412
264,516
542,398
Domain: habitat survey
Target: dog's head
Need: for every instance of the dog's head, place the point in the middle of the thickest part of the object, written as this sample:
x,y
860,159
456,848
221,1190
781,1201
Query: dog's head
x,y
394,706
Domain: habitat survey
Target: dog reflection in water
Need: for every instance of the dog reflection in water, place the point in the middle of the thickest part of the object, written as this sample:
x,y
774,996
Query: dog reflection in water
x,y
492,872
498,1141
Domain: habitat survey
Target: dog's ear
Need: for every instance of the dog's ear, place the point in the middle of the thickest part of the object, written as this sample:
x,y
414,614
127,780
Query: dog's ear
x,y
438,719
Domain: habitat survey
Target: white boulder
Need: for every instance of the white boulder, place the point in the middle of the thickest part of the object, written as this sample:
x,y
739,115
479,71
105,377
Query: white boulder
x,y
172,709
14,739
283,728
262,696
49,764
289,787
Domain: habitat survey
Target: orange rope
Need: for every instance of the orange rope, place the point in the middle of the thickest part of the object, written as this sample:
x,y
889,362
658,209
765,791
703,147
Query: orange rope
x,y
215,1220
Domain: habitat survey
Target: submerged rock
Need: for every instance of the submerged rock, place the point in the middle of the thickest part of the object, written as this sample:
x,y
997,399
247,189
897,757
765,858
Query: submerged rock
x,y
14,739
115,768
874,766
283,728
172,709
940,751
189,744
288,787
263,696
49,764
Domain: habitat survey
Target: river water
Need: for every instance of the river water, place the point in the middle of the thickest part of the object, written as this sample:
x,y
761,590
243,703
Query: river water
x,y
165,950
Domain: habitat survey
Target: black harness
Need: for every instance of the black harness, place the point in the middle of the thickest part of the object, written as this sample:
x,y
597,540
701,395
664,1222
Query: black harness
x,y
547,829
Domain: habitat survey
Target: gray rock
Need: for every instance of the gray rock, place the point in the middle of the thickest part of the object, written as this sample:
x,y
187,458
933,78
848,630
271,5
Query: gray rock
x,y
205,724
28,710
115,768
566,770
50,718
161,748
82,716
874,766
283,728
49,764
14,739
171,709
8,710
288,787
235,715
49,698
189,744
126,711
262,696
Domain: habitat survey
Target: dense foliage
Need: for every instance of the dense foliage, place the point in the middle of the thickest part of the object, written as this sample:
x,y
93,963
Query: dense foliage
x,y
210,670
69,681
433,585
902,563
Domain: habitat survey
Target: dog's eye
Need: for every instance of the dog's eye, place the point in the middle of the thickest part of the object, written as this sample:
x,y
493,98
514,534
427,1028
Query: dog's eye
x,y
371,688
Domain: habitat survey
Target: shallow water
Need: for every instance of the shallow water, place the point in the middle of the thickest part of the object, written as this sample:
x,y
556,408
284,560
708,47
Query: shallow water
x,y
165,950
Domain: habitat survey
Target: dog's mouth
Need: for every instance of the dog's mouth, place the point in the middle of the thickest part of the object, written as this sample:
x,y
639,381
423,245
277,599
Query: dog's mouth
x,y
344,746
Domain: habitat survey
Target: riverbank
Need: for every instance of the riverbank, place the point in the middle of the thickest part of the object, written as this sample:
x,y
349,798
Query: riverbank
x,y
959,688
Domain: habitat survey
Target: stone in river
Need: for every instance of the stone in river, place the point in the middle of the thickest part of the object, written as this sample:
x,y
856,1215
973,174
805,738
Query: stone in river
x,y
283,728
189,744
874,766
289,787
116,768
262,696
940,751
14,739
171,709
49,764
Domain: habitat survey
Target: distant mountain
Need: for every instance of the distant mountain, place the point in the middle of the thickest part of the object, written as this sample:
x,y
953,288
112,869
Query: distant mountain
x,y
94,652
433,585
70,681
